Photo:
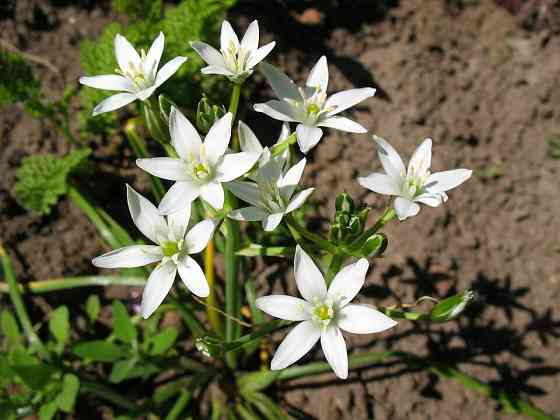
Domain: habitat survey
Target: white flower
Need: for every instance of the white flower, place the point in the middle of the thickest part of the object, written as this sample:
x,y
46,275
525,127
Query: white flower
x,y
138,74
324,313
173,249
200,168
234,60
248,141
310,106
414,184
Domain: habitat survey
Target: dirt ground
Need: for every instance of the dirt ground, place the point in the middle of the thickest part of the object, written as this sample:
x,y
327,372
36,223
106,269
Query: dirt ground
x,y
483,84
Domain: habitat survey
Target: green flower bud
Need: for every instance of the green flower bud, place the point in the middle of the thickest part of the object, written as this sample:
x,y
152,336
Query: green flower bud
x,y
207,114
452,307
344,203
165,105
336,233
155,122
355,226
374,246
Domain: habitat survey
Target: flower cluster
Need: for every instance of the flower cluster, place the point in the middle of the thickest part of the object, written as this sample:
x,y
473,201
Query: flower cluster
x,y
267,179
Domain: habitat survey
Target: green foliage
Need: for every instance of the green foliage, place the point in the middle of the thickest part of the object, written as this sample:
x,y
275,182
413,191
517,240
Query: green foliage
x,y
42,179
17,83
93,307
553,141
59,324
139,9
10,328
99,351
67,397
122,324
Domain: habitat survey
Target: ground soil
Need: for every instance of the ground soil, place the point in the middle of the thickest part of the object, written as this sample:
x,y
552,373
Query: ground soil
x,y
486,90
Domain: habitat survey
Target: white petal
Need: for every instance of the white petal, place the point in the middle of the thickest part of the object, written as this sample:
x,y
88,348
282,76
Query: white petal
x,y
172,169
334,348
213,194
348,282
250,40
279,110
432,200
168,70
343,124
184,137
308,137
259,55
246,191
284,132
347,98
108,82
146,93
270,170
299,199
217,139
390,159
193,277
295,345
405,208
285,307
248,141
288,183
113,102
197,238
129,257
155,52
361,319
178,197
228,37
179,221
217,70
145,216
233,165
310,282
208,53
282,85
158,286
319,75
421,159
380,183
248,214
126,54
444,181
271,221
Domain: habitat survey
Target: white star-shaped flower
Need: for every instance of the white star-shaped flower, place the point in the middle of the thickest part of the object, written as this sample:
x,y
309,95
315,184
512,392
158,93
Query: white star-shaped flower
x,y
323,313
235,59
414,184
138,74
200,167
309,106
173,249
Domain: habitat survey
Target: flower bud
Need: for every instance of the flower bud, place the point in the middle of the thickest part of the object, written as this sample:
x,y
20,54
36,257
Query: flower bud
x,y
165,105
452,307
344,203
207,114
374,246
155,122
209,346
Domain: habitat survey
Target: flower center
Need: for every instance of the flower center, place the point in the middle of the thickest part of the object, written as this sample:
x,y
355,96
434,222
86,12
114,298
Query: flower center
x,y
200,171
170,248
323,313
236,58
135,73
414,181
270,196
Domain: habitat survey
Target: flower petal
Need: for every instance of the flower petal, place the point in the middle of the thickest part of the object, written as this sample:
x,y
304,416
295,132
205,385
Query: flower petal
x,y
432,200
151,62
192,276
197,238
248,141
390,159
248,214
184,137
179,221
108,82
178,197
334,348
271,221
217,139
126,54
279,110
289,182
285,307
233,165
213,194
129,257
217,70
319,75
246,191
282,85
260,54
444,181
421,159
405,208
348,282
308,137
145,93
310,282
228,37
361,319
168,70
172,169
299,199
295,345
343,124
380,183
208,53
145,216
158,286
250,40
347,98
113,102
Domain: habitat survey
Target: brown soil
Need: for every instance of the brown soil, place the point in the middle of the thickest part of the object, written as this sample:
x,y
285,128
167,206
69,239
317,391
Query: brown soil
x,y
485,89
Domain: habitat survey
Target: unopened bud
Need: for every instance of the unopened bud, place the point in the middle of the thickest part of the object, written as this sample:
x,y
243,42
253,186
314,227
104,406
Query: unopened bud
x,y
207,114
452,307
374,246
344,203
209,346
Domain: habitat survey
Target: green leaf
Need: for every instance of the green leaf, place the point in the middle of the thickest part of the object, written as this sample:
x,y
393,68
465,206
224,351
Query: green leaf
x,y
269,409
452,307
67,397
163,341
7,411
17,83
255,250
99,351
48,410
42,179
122,324
121,369
10,328
93,307
257,381
59,324
35,376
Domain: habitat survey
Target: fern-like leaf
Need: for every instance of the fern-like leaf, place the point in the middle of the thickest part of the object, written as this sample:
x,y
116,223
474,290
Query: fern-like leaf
x,y
17,83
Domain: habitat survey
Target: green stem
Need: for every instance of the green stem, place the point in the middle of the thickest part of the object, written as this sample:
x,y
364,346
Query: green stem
x,y
334,267
262,330
184,398
187,313
64,283
234,100
17,301
108,394
286,143
316,239
385,218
